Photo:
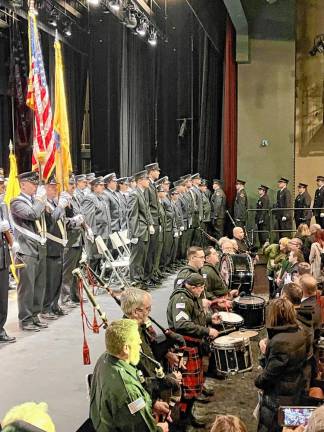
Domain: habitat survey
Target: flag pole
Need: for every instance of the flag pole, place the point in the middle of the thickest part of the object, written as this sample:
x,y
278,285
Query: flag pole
x,y
11,38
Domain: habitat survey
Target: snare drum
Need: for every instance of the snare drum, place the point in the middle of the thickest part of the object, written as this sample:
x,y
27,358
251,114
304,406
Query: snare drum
x,y
230,319
237,272
252,309
232,355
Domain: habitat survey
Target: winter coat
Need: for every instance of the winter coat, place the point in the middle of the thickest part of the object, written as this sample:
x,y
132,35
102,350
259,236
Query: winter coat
x,y
282,379
315,261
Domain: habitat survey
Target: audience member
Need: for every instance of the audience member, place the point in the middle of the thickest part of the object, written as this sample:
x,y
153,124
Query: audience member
x,y
315,256
275,255
309,286
282,377
310,240
228,423
32,413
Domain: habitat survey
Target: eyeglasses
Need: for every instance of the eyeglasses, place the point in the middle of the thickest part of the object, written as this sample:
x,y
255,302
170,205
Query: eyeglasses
x,y
199,257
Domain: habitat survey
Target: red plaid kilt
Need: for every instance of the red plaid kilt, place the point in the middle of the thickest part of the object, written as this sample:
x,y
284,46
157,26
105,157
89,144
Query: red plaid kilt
x,y
193,375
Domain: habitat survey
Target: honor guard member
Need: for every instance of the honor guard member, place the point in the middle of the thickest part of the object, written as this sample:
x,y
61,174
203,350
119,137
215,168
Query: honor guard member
x,y
81,186
184,206
205,223
240,204
207,191
27,211
5,239
96,215
189,196
186,316
89,178
132,182
195,262
157,274
113,202
165,260
153,172
218,209
319,201
73,250
303,200
140,224
262,215
178,229
284,217
121,403
56,241
198,208
123,193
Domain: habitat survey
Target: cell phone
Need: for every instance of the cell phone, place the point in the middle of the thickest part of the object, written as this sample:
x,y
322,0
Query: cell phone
x,y
294,415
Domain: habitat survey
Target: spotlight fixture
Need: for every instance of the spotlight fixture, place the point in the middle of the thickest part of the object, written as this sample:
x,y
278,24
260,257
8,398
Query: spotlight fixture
x,y
142,28
152,40
318,46
68,30
130,19
114,5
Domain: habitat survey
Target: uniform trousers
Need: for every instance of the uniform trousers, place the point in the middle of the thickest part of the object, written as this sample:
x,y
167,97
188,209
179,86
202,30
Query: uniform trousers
x,y
166,258
151,253
174,249
31,286
71,258
54,271
4,286
137,260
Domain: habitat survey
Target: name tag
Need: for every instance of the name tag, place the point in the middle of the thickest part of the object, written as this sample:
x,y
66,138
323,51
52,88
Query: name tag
x,y
136,405
180,306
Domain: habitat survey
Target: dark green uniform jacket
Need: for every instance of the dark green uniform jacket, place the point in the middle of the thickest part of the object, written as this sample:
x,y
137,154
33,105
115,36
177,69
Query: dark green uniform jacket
x,y
114,386
215,285
186,315
183,274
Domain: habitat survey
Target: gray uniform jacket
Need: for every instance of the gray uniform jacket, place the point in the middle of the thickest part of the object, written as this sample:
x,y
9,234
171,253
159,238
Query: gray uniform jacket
x,y
96,214
115,210
183,204
206,208
198,202
218,204
4,250
152,199
169,215
138,215
74,234
177,214
123,198
25,212
54,213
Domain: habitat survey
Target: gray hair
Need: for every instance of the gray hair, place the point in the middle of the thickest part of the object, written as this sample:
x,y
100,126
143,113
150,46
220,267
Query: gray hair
x,y
132,299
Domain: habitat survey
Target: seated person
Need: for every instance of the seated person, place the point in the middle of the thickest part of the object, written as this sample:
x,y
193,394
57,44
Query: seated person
x,y
239,237
120,403
216,289
295,257
27,417
228,246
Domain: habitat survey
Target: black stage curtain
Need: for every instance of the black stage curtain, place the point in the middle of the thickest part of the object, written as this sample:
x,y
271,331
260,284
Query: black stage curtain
x,y
5,116
140,94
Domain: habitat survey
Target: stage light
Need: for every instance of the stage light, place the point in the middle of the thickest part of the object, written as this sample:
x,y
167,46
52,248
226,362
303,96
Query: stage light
x,y
68,30
130,20
94,2
114,4
152,40
142,28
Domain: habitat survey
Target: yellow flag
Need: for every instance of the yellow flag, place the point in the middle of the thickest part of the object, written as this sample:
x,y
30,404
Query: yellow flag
x,y
13,188
63,164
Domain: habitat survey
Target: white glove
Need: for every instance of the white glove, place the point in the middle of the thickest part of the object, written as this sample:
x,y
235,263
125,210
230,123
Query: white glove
x,y
176,235
63,202
283,218
134,240
4,225
15,248
322,215
151,230
89,235
182,228
41,194
77,220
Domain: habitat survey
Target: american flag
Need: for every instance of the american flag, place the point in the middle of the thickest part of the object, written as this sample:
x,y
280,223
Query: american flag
x,y
38,100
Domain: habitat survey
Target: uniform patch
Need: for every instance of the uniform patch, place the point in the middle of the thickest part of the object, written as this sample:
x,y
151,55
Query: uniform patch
x,y
136,405
242,195
182,315
181,306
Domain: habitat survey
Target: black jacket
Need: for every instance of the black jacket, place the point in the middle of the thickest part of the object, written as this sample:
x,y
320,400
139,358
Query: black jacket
x,y
282,379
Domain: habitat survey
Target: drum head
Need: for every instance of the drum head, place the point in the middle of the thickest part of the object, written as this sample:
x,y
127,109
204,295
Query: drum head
x,y
249,300
230,317
226,340
244,334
